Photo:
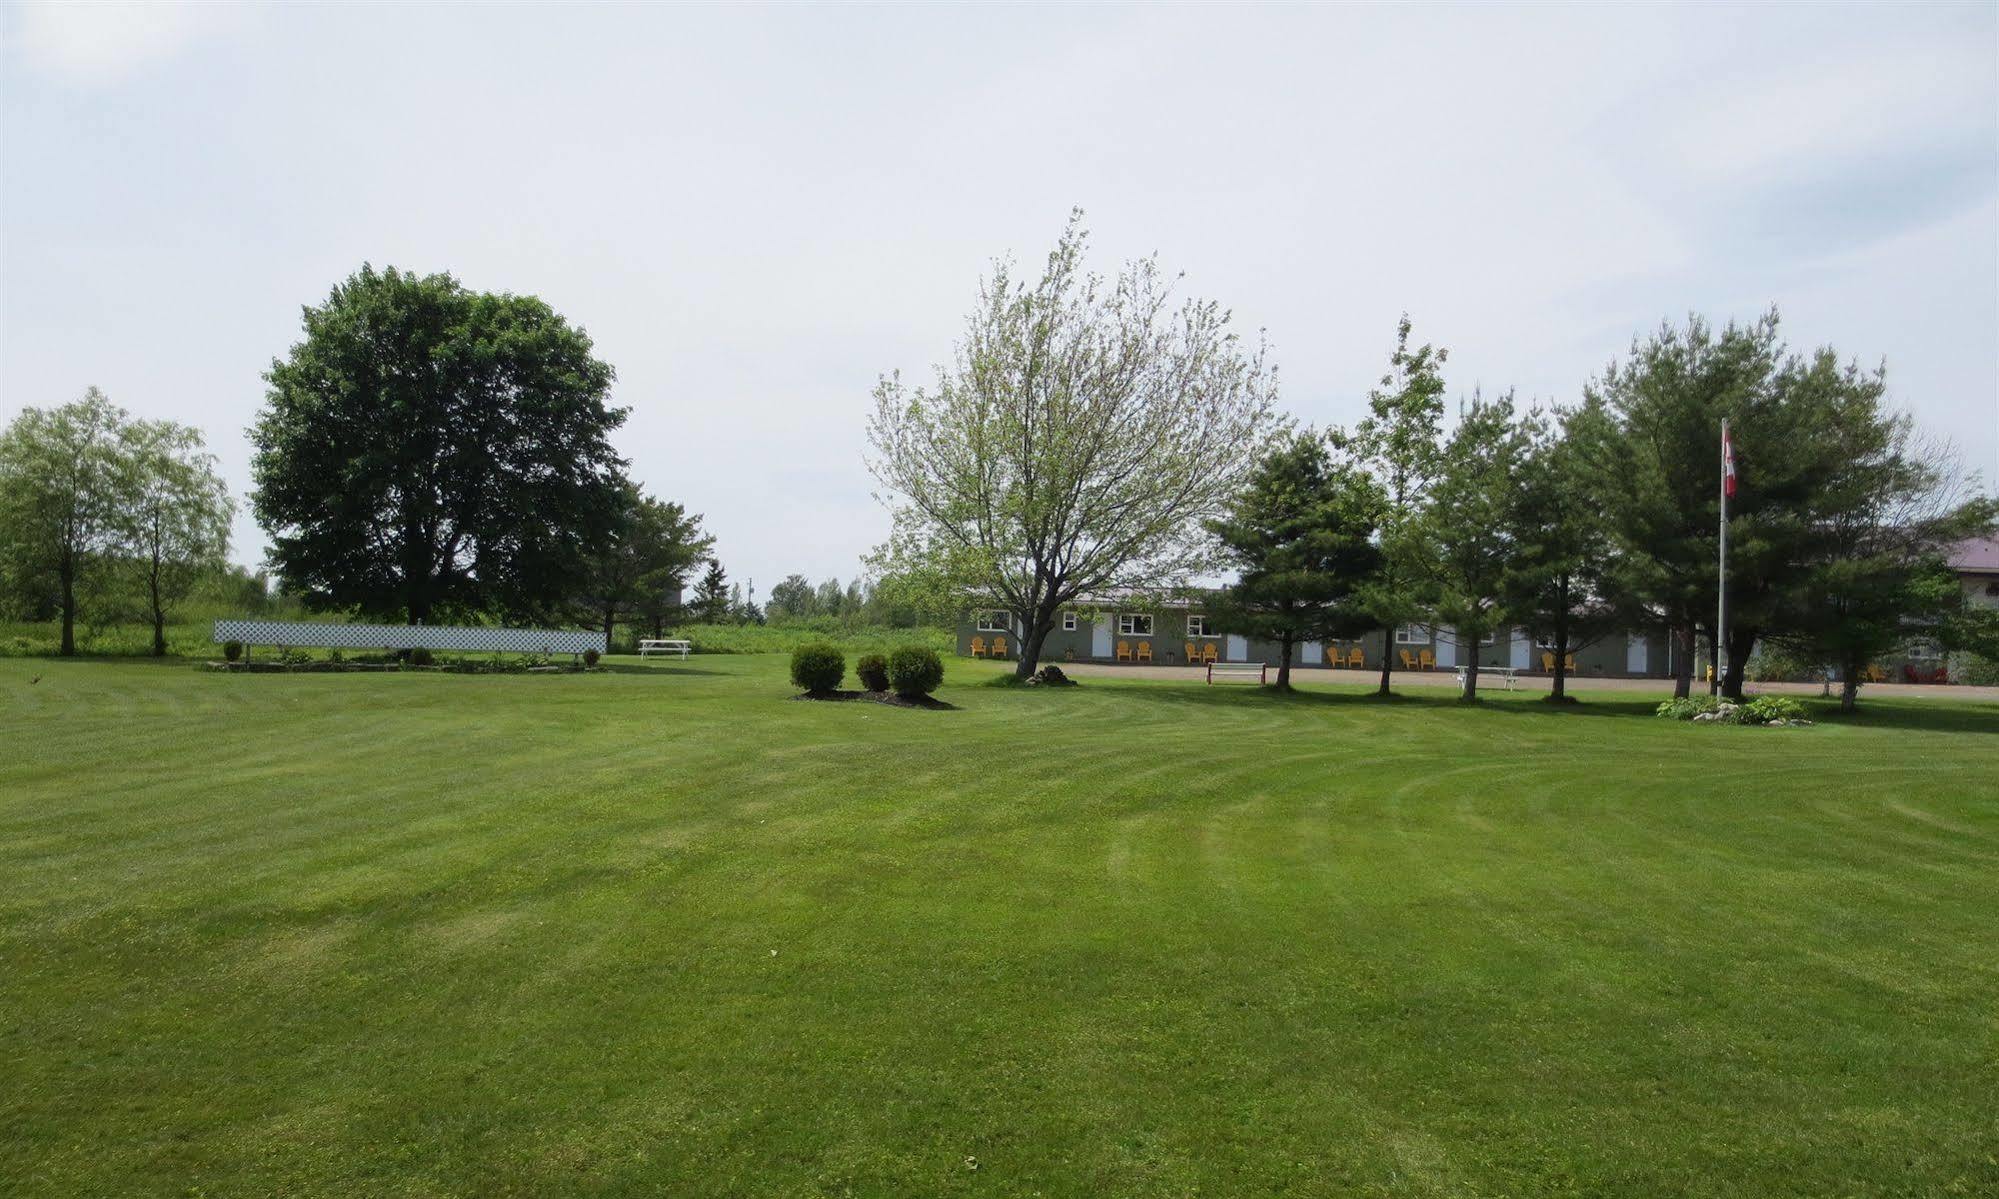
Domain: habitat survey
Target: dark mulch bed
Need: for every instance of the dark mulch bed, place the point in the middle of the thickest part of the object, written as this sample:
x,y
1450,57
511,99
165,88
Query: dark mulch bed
x,y
928,703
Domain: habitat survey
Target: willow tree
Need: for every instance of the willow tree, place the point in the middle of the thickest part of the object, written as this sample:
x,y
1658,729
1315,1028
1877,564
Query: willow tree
x,y
1085,430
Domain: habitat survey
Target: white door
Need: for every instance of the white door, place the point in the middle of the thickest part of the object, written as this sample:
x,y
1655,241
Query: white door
x,y
1447,647
1635,656
1100,639
1312,653
1521,648
1238,649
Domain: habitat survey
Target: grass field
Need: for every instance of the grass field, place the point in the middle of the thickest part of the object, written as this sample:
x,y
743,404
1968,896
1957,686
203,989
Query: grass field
x,y
661,931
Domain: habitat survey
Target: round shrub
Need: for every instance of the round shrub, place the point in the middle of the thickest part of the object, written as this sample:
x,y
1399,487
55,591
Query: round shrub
x,y
872,670
232,650
914,670
421,657
590,657
818,667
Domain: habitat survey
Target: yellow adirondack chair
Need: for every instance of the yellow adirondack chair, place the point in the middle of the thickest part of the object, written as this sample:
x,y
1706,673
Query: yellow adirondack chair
x,y
1547,662
1124,651
1193,652
1357,660
1428,660
999,647
978,647
1408,659
1145,651
1211,652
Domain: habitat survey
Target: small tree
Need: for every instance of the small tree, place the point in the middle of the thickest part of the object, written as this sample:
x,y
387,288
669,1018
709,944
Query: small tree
x,y
1083,433
66,483
793,599
650,549
711,594
1301,535
1397,441
1468,525
177,526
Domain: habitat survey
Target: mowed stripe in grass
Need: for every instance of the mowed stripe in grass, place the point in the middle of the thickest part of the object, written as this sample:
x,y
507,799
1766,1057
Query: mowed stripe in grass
x,y
665,929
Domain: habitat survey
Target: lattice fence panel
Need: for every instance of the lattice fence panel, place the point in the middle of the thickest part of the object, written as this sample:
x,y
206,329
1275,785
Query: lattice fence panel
x,y
399,636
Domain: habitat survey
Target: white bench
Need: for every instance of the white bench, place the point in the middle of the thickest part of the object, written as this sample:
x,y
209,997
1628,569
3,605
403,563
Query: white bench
x,y
1240,672
1508,673
665,645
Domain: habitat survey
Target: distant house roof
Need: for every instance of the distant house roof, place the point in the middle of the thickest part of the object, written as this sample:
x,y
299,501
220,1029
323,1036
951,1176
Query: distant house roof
x,y
1980,555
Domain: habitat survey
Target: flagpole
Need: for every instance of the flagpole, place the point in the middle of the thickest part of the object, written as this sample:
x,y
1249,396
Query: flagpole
x,y
1721,573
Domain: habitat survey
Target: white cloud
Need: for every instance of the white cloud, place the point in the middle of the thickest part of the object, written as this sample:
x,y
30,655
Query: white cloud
x,y
101,43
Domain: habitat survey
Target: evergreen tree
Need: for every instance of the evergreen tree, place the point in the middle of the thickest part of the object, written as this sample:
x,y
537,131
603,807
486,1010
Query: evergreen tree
x,y
1884,518
1557,581
1301,536
1467,526
711,594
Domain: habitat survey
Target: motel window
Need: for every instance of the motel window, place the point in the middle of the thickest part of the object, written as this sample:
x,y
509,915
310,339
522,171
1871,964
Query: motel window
x,y
1197,626
1411,634
1134,624
1068,622
995,622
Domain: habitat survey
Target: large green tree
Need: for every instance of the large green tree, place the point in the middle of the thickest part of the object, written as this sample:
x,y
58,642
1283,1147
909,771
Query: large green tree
x,y
66,484
1085,430
177,519
1398,442
1301,536
428,450
1558,584
1653,451
1885,515
1467,526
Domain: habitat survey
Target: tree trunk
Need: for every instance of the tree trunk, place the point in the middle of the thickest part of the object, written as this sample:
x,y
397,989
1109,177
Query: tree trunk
x,y
610,622
1284,663
1030,646
67,572
1387,659
1683,661
1741,643
1560,687
159,618
1470,695
1849,682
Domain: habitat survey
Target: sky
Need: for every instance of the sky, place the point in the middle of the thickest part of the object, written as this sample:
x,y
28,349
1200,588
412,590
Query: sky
x,y
756,212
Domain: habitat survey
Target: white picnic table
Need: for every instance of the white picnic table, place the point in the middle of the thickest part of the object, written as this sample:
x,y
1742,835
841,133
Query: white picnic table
x,y
665,645
1509,673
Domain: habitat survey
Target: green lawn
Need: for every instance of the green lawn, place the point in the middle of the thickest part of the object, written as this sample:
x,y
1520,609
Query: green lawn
x,y
664,931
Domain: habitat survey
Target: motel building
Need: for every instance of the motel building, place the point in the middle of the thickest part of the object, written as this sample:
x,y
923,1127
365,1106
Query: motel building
x,y
1177,633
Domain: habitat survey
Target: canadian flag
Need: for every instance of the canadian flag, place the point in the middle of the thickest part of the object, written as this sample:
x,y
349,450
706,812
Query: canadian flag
x,y
1727,462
